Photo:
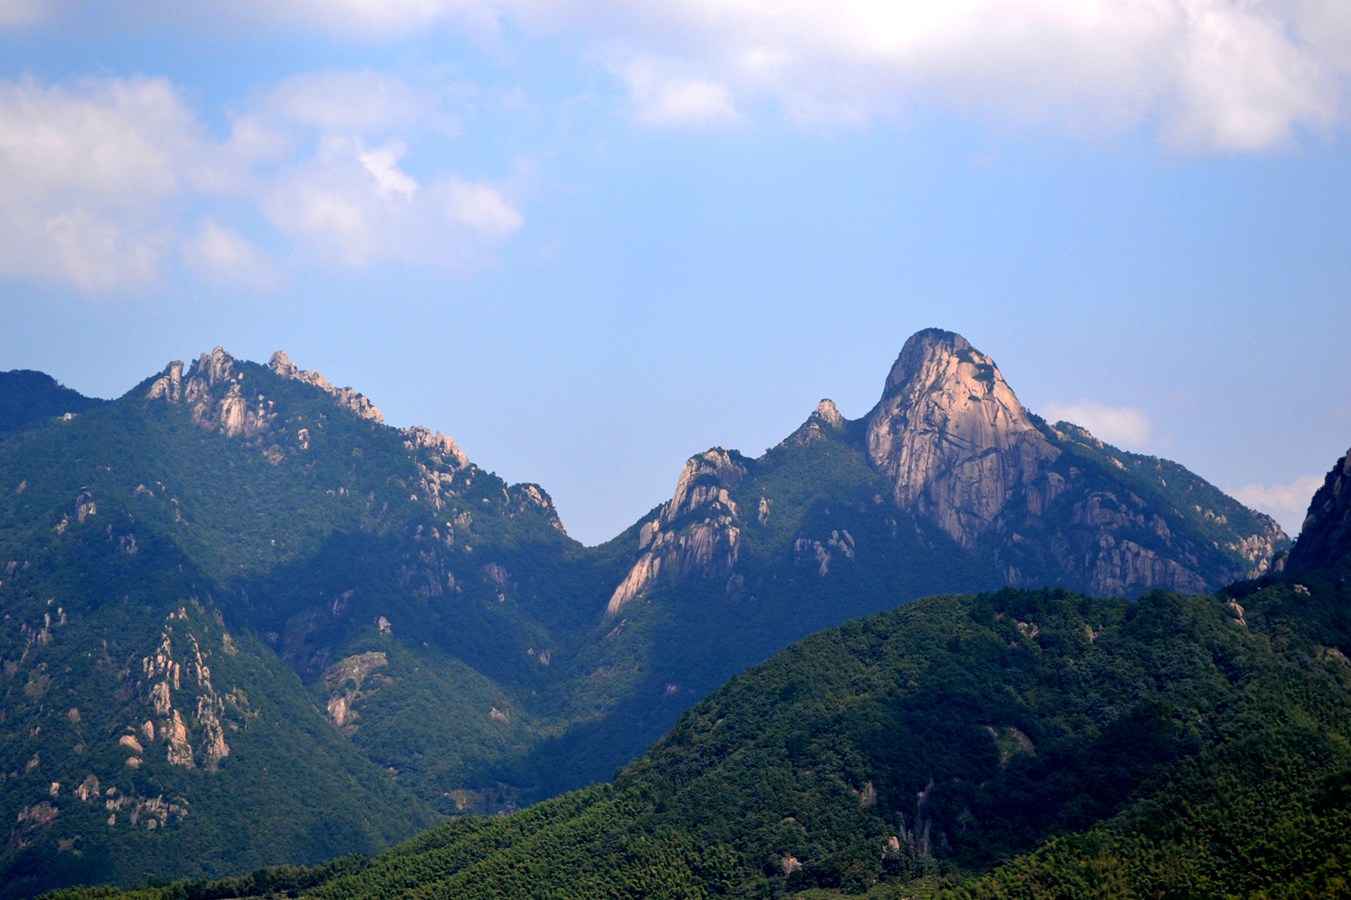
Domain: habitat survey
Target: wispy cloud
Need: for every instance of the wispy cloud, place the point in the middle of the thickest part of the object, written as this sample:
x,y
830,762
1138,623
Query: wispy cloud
x,y
355,101
1210,75
1286,503
21,12
223,254
668,99
1204,75
107,183
86,173
1123,426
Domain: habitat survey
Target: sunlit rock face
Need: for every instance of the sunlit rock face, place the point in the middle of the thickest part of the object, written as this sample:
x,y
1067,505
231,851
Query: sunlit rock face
x,y
1044,504
952,437
697,530
963,453
349,399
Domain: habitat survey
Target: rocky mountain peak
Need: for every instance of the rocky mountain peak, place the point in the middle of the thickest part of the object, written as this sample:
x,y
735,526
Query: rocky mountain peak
x,y
359,403
213,368
705,479
696,530
1325,540
952,436
829,414
825,419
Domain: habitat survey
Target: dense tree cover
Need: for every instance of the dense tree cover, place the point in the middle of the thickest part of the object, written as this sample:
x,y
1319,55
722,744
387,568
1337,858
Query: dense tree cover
x,y
397,634
29,398
1004,745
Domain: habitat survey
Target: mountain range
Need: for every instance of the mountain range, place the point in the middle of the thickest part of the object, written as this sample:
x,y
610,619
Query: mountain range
x,y
246,623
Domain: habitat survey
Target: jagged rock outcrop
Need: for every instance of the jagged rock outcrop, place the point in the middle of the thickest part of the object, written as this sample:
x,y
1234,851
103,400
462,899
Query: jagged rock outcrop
x,y
443,469
1325,540
824,420
175,672
952,437
233,414
345,684
237,412
696,530
348,398
1035,503
963,453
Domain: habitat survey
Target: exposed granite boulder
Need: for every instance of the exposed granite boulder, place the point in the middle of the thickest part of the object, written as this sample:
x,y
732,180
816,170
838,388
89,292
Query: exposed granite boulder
x,y
228,411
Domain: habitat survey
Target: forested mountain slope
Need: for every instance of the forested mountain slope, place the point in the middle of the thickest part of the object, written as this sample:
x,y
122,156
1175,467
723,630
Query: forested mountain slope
x,y
28,398
1017,743
236,570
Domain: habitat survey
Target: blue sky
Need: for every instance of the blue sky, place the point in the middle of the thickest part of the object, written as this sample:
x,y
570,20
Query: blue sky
x,y
589,238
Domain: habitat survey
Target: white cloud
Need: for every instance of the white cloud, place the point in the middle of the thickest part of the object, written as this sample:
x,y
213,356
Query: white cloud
x,y
1209,74
1206,75
1243,83
349,101
664,99
354,207
1286,503
85,173
1122,426
481,207
383,165
105,183
226,255
333,207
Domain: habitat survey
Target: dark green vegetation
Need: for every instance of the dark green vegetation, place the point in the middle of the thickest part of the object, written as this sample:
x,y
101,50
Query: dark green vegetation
x,y
1022,743
29,399
243,623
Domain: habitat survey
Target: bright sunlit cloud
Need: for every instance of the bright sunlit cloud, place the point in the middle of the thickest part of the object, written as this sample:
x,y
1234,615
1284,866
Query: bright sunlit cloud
x,y
1122,426
107,183
1209,75
1286,503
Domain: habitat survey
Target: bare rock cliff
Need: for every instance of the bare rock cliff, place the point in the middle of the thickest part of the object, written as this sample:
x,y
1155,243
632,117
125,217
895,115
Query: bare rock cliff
x,y
697,530
230,411
1052,504
952,437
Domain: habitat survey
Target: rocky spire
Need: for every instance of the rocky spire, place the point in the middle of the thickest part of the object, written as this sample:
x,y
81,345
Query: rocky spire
x,y
824,420
951,435
696,530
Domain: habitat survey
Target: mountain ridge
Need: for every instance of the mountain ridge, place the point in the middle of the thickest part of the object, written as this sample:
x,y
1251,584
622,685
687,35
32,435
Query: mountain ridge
x,y
440,626
1014,743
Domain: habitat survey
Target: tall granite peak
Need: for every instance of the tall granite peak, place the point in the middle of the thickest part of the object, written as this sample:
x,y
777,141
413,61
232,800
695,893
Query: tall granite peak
x,y
952,437
1325,540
